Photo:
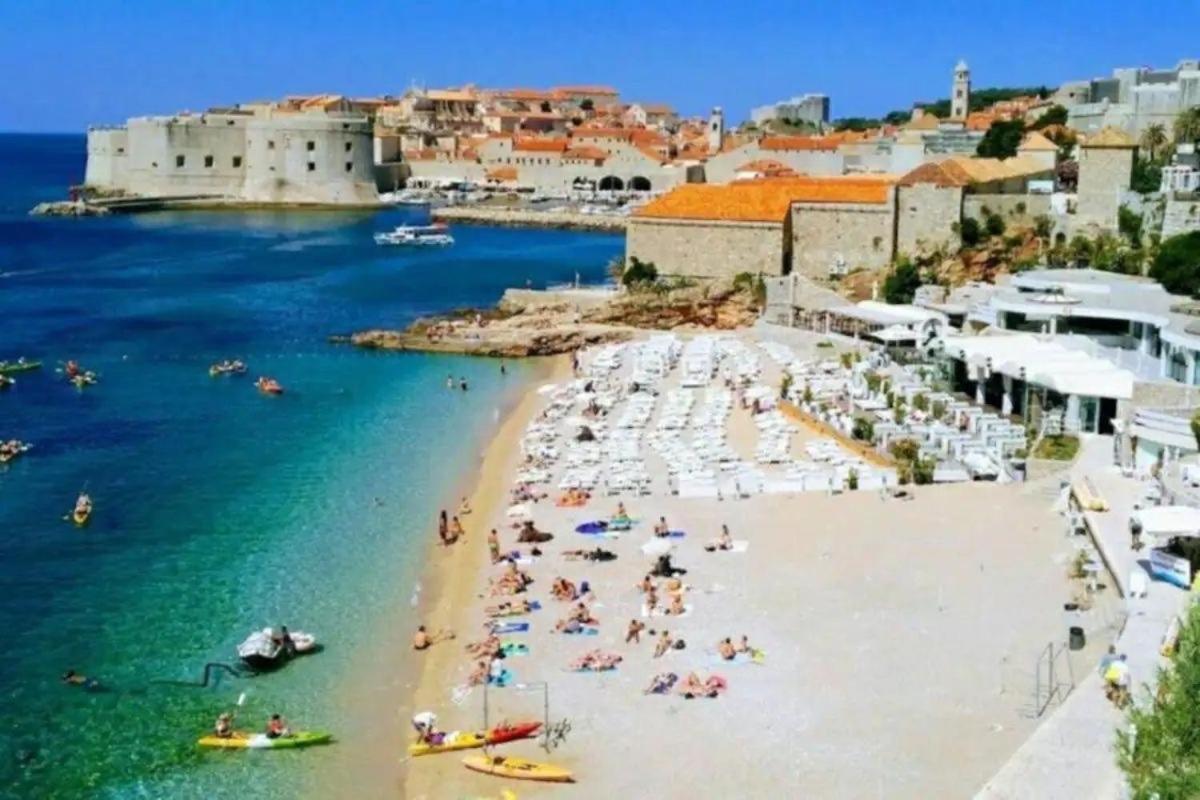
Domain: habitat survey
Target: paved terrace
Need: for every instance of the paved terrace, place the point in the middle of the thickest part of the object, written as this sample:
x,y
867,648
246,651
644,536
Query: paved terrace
x,y
1071,755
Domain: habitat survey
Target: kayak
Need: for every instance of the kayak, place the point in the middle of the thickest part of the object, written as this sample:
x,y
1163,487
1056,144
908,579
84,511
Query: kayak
x,y
20,365
81,518
260,741
467,740
517,768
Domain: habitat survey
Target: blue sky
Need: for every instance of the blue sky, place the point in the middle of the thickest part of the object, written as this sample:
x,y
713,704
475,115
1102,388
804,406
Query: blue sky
x,y
68,64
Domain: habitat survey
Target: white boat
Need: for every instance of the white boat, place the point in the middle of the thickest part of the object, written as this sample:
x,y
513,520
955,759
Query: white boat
x,y
418,235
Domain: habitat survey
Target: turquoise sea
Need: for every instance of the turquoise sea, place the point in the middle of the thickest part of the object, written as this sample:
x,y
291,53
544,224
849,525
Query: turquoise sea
x,y
219,510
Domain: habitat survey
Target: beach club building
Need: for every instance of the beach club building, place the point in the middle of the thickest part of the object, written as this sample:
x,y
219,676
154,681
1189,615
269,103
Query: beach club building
x,y
1112,353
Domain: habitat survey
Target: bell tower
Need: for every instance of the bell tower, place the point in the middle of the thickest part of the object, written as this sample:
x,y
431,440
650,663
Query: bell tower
x,y
960,95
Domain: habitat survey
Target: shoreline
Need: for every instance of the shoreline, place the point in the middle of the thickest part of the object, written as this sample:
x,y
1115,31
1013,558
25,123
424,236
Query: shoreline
x,y
446,581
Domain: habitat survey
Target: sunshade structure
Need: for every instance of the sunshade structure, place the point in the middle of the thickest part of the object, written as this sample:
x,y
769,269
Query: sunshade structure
x,y
1169,520
1047,364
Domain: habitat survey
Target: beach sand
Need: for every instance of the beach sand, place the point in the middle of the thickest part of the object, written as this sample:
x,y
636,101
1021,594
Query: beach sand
x,y
901,642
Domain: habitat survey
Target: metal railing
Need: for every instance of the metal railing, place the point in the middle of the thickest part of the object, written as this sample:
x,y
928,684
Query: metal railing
x,y
1050,684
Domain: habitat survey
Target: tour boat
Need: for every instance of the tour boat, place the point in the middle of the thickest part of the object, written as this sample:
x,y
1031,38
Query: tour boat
x,y
20,365
417,235
268,386
227,368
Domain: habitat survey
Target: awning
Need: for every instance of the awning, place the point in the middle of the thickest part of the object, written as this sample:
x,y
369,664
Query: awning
x,y
893,333
1169,520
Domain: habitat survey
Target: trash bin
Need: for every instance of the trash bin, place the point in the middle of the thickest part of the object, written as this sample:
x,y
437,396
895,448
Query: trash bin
x,y
1077,639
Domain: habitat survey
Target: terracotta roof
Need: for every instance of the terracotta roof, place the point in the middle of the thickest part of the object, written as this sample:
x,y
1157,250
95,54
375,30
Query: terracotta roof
x,y
1036,141
526,94
650,153
451,95
767,166
646,136
764,200
424,154
596,90
980,120
586,153
797,143
985,170
541,145
1110,137
656,108
501,174
605,133
925,122
935,173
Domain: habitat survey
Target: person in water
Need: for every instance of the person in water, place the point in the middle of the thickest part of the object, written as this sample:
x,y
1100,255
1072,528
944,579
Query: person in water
x,y
276,727
462,384
286,642
73,678
224,727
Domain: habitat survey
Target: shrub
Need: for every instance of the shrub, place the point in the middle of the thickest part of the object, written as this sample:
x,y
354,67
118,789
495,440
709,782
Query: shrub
x,y
938,409
1196,427
639,273
874,381
1042,226
994,225
1020,207
1057,448
847,360
785,386
922,471
921,403
902,282
864,430
970,232
1130,226
852,480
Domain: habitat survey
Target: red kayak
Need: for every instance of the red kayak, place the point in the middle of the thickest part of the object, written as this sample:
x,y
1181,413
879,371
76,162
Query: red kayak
x,y
466,740
268,386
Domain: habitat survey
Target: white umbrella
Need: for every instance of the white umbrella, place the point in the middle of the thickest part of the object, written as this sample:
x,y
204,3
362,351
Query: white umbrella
x,y
658,547
1169,520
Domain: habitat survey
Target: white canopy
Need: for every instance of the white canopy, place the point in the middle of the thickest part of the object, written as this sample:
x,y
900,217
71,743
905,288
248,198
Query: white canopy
x,y
894,333
1169,520
1048,364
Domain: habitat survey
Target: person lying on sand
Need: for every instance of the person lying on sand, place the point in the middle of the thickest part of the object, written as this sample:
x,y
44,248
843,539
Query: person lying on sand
x,y
722,542
479,675
531,535
509,609
634,632
646,586
464,507
665,643
563,589
488,647
661,683
423,640
596,661
677,607
513,581
599,554
583,614
694,686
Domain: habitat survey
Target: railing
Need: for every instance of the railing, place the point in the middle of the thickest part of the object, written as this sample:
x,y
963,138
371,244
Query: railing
x,y
1050,685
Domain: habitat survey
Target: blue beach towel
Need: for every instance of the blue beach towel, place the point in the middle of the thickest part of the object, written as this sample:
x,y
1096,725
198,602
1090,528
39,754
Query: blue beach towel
x,y
514,649
589,631
503,680
510,627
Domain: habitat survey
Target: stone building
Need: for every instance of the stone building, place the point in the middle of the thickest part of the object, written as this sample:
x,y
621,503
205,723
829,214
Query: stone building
x,y
1105,172
1132,99
807,108
804,155
269,155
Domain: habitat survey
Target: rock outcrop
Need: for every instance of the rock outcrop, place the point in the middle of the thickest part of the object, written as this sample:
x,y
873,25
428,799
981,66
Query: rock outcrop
x,y
67,208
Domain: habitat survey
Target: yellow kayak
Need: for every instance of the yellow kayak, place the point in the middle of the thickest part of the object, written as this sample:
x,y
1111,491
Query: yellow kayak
x,y
517,768
466,740
260,741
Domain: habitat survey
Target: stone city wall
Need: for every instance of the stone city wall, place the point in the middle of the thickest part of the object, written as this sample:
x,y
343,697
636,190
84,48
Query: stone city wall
x,y
859,236
1014,209
926,217
1181,216
707,249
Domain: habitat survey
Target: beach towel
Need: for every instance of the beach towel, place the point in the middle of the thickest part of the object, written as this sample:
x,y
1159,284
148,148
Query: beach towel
x,y
662,612
503,679
515,612
501,628
510,649
667,684
597,526
592,669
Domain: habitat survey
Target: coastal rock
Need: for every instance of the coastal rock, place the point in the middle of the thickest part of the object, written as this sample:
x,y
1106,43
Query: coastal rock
x,y
529,218
67,208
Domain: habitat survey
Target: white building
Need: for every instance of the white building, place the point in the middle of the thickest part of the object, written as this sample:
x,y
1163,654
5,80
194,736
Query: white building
x,y
810,108
1133,99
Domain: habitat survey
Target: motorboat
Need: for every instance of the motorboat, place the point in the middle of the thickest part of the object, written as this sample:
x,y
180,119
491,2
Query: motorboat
x,y
227,368
268,385
435,235
82,512
264,650
20,365
11,449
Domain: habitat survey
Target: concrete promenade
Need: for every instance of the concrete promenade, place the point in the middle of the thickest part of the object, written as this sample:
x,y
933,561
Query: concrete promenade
x,y
1071,754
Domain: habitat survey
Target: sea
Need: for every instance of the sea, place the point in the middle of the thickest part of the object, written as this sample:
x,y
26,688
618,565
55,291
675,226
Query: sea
x,y
219,510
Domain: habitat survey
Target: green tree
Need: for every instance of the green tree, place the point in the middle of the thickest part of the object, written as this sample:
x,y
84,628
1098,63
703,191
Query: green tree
x,y
970,232
902,282
1043,226
1147,176
586,104
1158,749
863,430
1177,264
1153,140
1129,224
1187,125
1002,139
1055,115
994,225
639,273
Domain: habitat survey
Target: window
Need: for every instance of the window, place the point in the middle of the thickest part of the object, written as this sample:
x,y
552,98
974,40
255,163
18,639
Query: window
x,y
311,146
349,166
348,146
312,166
237,162
120,150
228,122
179,161
208,161
270,144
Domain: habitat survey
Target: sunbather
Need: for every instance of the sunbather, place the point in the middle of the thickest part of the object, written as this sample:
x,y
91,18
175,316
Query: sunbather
x,y
726,649
677,607
722,542
661,683
664,644
563,589
479,675
647,585
634,632
596,661
660,528
488,647
509,609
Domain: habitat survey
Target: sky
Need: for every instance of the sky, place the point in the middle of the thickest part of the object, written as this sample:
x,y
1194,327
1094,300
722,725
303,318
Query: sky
x,y
66,65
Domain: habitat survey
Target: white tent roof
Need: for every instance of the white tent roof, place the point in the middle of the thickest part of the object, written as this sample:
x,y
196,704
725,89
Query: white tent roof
x,y
1170,520
1045,363
894,333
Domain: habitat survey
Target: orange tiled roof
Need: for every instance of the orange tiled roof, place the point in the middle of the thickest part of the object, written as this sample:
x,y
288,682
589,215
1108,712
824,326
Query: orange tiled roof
x,y
526,94
586,153
1110,137
1036,141
980,120
501,174
451,95
764,200
535,145
605,133
595,90
424,154
937,174
985,170
657,108
797,143
768,167
925,122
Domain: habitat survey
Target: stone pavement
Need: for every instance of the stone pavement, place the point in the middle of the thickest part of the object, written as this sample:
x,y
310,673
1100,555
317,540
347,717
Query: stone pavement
x,y
1071,754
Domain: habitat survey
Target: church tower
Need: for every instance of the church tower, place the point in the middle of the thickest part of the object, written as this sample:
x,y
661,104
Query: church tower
x,y
960,96
716,130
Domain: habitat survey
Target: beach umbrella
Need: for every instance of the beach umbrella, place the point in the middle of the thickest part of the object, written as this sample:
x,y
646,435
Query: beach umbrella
x,y
658,547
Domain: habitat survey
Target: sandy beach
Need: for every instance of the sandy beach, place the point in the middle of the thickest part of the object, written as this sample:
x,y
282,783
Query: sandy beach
x,y
900,639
